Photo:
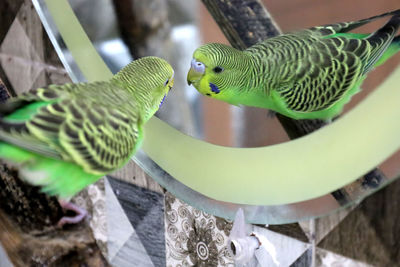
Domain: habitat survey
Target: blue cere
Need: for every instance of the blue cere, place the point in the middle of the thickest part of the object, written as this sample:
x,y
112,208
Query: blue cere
x,y
214,88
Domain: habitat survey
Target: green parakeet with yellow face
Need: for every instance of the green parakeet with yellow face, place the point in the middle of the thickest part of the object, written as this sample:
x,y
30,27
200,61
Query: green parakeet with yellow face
x,y
65,137
309,74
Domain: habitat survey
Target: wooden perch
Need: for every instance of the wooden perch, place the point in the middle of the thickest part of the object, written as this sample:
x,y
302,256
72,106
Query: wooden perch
x,y
247,22
143,25
28,229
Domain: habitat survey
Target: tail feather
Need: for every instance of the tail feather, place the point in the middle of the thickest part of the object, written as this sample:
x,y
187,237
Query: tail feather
x,y
387,32
344,27
381,39
393,49
355,24
56,177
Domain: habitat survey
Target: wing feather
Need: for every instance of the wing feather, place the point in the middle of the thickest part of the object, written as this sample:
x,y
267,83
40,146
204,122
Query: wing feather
x,y
95,125
332,66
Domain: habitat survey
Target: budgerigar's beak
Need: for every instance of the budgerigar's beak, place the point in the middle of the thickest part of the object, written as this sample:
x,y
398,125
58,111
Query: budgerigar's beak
x,y
196,71
191,76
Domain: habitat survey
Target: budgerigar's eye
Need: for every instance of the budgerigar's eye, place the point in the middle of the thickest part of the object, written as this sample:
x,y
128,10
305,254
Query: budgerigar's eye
x,y
166,82
197,66
218,69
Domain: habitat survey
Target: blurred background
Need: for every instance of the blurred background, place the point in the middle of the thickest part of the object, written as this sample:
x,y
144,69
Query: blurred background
x,y
173,29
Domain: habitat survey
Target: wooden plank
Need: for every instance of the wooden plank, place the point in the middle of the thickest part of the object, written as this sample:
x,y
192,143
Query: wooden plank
x,y
370,233
133,174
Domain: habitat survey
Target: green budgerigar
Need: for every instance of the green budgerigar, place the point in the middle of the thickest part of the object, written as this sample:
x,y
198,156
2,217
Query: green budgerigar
x,y
65,137
308,74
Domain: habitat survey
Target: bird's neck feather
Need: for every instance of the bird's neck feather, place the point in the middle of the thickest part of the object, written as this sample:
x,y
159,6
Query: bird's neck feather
x,y
254,90
143,98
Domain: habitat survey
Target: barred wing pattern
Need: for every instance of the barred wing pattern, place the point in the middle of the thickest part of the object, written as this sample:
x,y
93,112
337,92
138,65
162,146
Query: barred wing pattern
x,y
96,126
315,68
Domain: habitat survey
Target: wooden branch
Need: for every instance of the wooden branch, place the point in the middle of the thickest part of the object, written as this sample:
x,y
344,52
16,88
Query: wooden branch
x,y
28,229
57,248
143,25
247,22
244,22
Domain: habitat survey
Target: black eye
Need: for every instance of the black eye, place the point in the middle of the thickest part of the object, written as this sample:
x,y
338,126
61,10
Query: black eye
x,y
218,69
166,82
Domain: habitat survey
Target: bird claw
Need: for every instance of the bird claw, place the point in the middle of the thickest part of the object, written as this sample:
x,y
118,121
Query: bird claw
x,y
80,214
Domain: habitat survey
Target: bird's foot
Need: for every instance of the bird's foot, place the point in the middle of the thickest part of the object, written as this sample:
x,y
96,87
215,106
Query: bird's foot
x,y
80,213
